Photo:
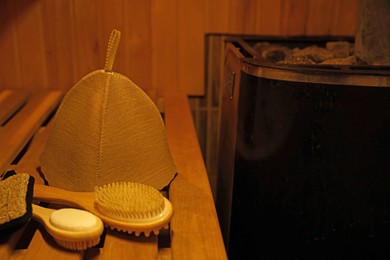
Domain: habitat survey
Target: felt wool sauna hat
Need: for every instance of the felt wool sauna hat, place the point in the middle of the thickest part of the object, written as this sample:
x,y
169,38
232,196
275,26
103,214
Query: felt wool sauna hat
x,y
107,130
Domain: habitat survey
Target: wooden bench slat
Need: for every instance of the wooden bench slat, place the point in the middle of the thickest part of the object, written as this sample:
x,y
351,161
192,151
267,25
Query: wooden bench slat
x,y
42,246
29,163
19,130
196,232
4,94
120,245
8,243
117,245
10,102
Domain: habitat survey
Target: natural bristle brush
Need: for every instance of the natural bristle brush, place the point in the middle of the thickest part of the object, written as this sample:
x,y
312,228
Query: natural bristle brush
x,y
73,229
126,206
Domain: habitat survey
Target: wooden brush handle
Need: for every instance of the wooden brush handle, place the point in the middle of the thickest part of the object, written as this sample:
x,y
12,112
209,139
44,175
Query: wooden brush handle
x,y
82,200
42,214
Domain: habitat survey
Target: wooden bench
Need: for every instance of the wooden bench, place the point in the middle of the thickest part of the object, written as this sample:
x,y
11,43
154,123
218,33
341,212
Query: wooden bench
x,y
194,229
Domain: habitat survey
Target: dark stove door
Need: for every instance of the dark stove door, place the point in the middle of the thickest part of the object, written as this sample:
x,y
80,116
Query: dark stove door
x,y
312,171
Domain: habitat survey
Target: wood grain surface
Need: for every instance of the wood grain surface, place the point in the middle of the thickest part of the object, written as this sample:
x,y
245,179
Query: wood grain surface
x,y
194,231
52,44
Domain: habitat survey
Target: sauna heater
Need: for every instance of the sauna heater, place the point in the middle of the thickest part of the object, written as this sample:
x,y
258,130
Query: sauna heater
x,y
304,154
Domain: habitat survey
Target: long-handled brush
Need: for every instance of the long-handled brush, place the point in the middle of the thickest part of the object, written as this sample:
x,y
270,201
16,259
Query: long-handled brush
x,y
126,206
71,228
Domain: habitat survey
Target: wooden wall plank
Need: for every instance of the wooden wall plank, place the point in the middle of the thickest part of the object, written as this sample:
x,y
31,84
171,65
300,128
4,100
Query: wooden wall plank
x,y
216,16
268,17
58,44
88,54
255,17
55,43
10,74
242,16
319,18
139,42
191,47
30,41
112,15
344,21
164,45
293,15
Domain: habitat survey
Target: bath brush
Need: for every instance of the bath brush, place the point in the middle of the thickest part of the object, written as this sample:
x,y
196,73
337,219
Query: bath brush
x,y
126,206
73,229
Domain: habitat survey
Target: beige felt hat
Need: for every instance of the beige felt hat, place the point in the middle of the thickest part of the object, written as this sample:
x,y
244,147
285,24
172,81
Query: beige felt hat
x,y
107,130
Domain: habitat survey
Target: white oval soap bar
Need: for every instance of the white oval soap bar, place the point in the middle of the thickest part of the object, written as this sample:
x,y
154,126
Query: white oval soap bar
x,y
73,219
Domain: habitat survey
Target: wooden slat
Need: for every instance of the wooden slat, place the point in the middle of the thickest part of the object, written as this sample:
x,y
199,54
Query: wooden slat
x,y
8,243
18,255
242,16
31,49
191,47
112,15
344,19
215,48
138,42
87,52
10,72
54,43
10,102
164,45
196,232
267,17
58,43
4,94
29,163
320,16
19,130
119,245
216,16
254,17
293,15
42,246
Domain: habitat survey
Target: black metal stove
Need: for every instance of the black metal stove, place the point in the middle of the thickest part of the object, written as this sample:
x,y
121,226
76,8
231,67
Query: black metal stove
x,y
304,168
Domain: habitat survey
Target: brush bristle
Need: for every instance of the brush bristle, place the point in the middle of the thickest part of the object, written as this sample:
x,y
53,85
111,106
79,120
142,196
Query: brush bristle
x,y
129,201
78,245
15,201
146,231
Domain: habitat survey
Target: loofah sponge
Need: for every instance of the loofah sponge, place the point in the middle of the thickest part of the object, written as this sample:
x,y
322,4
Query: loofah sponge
x,y
16,194
107,130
